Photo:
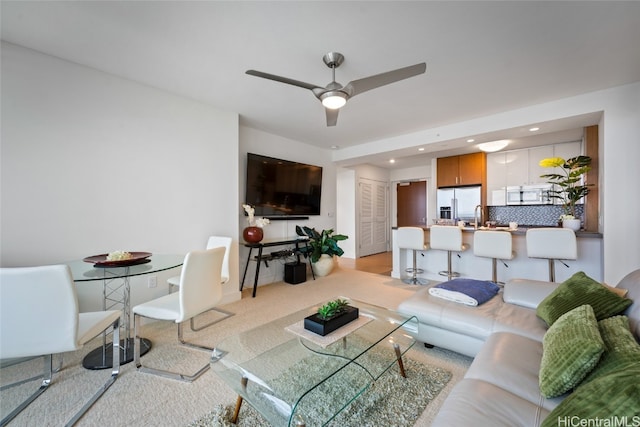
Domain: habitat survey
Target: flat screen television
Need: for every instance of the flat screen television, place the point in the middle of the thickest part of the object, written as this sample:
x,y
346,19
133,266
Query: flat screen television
x,y
282,188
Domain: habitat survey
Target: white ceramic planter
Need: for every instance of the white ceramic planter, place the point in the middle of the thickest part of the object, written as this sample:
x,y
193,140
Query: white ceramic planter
x,y
323,266
573,224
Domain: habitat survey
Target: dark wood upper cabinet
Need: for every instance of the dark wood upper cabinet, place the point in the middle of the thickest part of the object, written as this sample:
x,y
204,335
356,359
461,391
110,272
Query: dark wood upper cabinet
x,y
467,169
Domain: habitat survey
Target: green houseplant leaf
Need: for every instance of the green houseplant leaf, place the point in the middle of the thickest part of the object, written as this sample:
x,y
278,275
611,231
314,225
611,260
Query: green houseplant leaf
x,y
569,182
324,242
332,308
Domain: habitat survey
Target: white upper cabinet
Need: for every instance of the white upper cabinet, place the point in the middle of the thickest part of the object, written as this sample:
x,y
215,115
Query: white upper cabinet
x,y
517,167
567,150
521,167
535,155
496,179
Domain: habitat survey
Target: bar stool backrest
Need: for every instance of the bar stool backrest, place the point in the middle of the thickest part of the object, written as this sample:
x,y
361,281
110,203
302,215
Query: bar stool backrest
x,y
493,244
410,238
445,238
551,243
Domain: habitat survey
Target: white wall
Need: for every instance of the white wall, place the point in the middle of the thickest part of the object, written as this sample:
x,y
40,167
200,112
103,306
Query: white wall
x,y
347,187
619,172
258,142
93,163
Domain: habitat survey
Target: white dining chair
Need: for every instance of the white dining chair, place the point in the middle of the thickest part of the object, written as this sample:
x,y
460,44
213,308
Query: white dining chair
x,y
213,242
39,316
200,290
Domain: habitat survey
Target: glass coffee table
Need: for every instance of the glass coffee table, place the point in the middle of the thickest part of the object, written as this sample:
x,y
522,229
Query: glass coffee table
x,y
294,377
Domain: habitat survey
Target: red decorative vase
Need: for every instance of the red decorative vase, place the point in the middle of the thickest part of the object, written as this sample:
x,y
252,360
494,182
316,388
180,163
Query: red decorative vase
x,y
252,234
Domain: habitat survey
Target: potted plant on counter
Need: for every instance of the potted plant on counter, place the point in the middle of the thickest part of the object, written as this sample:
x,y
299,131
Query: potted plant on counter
x,y
321,248
570,184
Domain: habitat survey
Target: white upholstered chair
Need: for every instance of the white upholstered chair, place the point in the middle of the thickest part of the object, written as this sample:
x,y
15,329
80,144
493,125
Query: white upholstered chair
x,y
213,242
412,238
447,238
39,317
200,290
552,244
496,245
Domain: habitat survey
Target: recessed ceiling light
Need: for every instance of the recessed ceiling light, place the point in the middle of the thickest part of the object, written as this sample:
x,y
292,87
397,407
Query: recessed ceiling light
x,y
392,160
492,146
471,140
421,149
533,129
334,147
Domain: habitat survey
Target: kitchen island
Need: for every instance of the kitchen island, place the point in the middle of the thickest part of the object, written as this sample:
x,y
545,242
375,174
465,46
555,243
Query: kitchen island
x,y
521,266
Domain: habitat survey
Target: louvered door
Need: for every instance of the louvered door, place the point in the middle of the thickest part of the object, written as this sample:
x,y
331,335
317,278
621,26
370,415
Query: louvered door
x,y
373,199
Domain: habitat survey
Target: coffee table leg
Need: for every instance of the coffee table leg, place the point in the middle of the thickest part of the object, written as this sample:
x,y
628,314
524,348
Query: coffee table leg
x,y
396,347
236,412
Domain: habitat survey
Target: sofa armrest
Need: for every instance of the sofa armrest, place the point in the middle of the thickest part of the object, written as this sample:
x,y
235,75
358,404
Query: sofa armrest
x,y
527,293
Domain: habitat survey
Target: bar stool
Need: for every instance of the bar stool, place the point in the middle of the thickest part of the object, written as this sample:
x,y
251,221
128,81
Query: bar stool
x,y
412,238
495,245
447,238
552,244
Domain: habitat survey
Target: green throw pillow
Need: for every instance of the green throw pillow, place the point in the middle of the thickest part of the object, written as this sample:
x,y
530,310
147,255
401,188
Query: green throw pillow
x,y
578,290
620,347
611,397
571,348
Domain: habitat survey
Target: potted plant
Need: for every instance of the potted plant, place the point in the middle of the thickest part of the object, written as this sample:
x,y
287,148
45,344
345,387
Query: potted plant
x,y
570,183
330,317
321,247
253,233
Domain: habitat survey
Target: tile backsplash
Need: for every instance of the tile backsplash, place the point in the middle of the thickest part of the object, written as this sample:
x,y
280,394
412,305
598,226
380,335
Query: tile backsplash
x,y
530,215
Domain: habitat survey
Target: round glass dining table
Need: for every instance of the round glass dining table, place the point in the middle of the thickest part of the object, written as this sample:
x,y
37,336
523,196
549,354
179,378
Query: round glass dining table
x,y
116,293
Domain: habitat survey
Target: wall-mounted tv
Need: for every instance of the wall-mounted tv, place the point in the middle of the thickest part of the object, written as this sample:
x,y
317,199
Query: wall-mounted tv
x,y
281,188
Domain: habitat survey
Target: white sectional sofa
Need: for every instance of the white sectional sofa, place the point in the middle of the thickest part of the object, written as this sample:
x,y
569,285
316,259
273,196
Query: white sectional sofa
x,y
505,337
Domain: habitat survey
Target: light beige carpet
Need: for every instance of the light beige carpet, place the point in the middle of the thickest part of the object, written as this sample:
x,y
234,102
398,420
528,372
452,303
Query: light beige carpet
x,y
145,400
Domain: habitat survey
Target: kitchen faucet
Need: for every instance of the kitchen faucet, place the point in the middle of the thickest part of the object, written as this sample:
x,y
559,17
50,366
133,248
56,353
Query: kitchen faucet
x,y
475,216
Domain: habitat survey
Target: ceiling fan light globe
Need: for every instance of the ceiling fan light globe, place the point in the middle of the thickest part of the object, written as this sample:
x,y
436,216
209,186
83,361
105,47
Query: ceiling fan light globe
x,y
334,100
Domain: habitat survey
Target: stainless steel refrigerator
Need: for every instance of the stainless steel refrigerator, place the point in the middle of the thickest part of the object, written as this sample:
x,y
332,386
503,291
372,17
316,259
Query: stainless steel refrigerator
x,y
458,203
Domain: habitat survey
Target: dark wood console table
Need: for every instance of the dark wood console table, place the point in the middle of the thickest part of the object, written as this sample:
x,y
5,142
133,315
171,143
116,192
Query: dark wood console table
x,y
265,258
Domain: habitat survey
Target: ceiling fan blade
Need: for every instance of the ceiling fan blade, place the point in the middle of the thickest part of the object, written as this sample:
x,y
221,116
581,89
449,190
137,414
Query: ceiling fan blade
x,y
332,116
362,85
283,79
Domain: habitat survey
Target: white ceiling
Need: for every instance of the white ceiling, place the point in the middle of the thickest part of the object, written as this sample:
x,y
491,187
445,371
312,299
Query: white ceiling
x,y
482,57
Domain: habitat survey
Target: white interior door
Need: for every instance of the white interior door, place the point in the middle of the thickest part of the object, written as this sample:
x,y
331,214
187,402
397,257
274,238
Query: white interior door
x,y
373,200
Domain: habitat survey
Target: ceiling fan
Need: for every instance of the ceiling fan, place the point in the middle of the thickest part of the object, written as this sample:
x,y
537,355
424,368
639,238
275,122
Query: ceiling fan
x,y
334,95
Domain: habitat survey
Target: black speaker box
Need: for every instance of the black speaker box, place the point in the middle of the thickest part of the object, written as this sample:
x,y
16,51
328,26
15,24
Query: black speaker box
x,y
295,273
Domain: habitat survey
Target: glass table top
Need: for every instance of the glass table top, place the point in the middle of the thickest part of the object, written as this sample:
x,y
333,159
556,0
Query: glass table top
x,y
85,271
285,375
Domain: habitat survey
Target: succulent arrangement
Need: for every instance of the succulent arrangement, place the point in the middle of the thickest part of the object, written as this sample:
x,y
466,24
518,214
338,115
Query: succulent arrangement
x,y
332,308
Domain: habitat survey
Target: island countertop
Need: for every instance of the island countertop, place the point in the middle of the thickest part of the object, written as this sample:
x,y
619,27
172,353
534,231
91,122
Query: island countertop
x,y
520,231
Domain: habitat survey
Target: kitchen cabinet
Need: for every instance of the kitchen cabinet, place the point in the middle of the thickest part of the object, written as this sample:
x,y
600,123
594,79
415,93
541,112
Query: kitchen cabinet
x,y
535,170
521,167
567,150
496,179
467,169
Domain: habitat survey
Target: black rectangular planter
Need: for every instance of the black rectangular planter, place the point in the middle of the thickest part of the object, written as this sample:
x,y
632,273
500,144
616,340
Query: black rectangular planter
x,y
316,325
